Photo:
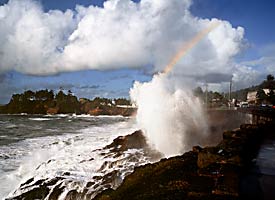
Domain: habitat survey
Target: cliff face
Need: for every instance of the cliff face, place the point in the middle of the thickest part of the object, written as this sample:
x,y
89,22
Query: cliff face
x,y
203,173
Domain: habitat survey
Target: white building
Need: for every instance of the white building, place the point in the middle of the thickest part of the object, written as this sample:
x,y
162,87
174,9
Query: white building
x,y
252,96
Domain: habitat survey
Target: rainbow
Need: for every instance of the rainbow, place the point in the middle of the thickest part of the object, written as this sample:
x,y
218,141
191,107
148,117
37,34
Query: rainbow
x,y
188,46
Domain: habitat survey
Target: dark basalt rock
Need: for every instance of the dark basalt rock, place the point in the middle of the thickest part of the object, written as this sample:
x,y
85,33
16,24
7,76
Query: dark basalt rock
x,y
134,141
209,173
52,188
40,189
57,191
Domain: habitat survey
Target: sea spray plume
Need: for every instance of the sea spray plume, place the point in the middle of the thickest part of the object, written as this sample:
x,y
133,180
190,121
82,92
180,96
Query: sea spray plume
x,y
171,117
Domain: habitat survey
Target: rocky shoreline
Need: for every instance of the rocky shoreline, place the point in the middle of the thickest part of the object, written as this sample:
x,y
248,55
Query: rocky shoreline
x,y
203,173
214,172
52,188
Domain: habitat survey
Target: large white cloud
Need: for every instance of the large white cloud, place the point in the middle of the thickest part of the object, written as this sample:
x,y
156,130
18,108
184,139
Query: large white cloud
x,y
121,34
30,39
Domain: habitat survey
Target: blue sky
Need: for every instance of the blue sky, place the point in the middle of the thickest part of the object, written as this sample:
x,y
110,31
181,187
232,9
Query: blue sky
x,y
256,16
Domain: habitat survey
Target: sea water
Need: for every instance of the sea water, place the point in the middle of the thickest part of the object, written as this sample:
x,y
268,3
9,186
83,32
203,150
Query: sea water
x,y
44,146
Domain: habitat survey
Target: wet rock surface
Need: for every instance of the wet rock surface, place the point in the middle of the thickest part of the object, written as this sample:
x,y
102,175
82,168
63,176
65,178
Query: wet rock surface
x,y
119,163
210,173
204,173
135,140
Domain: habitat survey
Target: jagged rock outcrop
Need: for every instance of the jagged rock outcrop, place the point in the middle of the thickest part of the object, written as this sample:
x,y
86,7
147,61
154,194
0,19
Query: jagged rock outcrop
x,y
209,173
201,174
52,188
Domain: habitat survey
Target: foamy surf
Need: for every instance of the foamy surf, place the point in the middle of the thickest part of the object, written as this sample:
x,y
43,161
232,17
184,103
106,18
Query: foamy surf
x,y
39,119
74,159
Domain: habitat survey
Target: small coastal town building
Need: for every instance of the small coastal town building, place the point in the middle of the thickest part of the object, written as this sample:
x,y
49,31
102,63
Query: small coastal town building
x,y
252,96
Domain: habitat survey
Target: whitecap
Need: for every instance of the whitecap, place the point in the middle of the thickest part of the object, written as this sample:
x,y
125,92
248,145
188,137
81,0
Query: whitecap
x,y
40,119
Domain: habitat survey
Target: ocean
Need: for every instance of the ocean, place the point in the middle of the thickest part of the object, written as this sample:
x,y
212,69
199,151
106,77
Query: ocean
x,y
67,156
43,147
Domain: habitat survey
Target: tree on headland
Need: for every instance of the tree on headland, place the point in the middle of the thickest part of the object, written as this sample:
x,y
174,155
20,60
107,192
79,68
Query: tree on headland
x,y
44,95
269,83
29,94
270,77
122,101
60,96
261,96
271,97
67,103
99,102
70,93
46,102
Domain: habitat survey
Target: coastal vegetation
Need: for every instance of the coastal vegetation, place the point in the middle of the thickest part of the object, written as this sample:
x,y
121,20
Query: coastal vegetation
x,y
47,102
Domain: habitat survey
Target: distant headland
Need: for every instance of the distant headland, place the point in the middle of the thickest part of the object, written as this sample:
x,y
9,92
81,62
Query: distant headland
x,y
47,102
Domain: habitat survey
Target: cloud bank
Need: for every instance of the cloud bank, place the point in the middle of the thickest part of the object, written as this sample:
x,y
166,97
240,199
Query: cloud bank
x,y
121,34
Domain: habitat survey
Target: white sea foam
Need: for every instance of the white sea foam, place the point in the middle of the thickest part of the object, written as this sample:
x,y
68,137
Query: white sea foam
x,y
9,126
40,119
51,156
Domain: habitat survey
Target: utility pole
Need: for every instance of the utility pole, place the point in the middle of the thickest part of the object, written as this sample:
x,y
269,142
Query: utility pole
x,y
206,95
230,90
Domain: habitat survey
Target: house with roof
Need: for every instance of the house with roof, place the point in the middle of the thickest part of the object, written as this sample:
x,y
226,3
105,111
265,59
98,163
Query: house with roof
x,y
252,96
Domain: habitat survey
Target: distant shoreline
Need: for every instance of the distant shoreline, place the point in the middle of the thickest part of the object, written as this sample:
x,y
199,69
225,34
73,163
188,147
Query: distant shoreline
x,y
46,102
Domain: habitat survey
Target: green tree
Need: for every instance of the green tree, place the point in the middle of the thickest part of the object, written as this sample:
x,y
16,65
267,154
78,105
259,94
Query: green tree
x,y
270,77
217,95
70,93
100,102
60,96
44,95
29,94
16,98
261,96
67,103
269,83
198,92
271,97
50,95
122,101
